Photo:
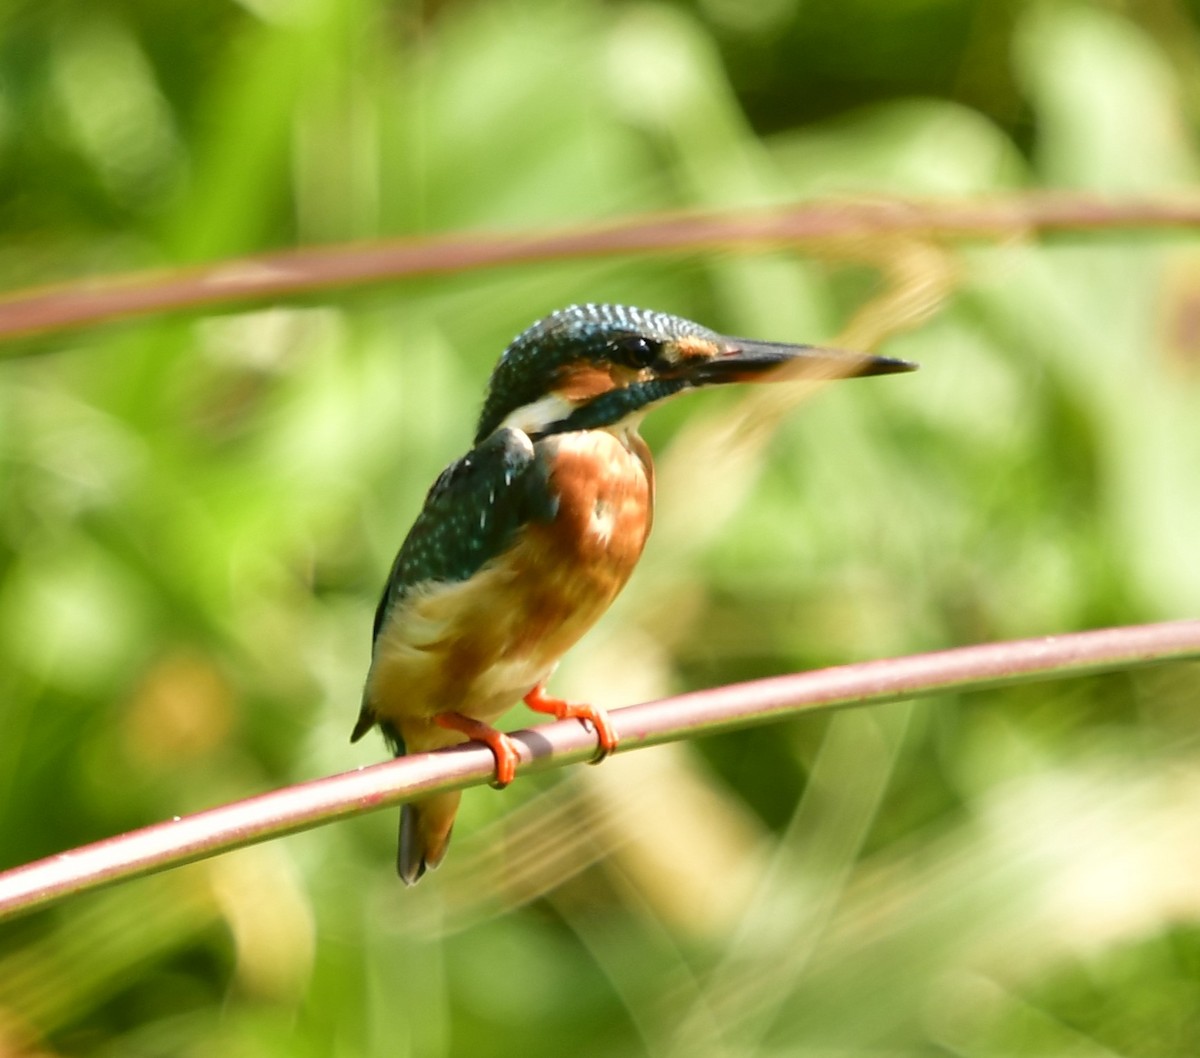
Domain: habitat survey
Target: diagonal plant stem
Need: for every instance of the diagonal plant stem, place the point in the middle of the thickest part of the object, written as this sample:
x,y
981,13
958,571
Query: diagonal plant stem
x,y
88,302
313,804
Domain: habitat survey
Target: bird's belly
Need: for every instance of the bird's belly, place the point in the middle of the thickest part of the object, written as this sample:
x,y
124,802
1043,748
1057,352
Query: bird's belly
x,y
479,645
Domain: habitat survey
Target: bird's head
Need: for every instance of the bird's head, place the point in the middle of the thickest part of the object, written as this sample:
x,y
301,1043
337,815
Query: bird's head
x,y
592,366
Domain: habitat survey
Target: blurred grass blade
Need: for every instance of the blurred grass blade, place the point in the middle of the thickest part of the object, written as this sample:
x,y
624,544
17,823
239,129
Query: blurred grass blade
x,y
290,273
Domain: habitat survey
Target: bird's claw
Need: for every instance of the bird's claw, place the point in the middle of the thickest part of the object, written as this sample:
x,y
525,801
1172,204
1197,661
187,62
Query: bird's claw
x,y
503,748
606,737
506,761
592,717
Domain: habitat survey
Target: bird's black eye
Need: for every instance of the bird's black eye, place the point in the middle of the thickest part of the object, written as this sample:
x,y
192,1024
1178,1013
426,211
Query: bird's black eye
x,y
636,351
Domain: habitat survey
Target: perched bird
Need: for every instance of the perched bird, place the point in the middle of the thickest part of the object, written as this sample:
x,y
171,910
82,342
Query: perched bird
x,y
526,540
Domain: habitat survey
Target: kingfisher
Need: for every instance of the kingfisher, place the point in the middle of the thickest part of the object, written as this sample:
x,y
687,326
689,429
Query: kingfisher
x,y
525,541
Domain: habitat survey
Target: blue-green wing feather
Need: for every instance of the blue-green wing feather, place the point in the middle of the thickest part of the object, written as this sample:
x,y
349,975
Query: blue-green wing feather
x,y
472,514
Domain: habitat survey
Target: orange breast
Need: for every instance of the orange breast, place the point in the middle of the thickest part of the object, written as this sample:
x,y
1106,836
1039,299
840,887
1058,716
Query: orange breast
x,y
570,570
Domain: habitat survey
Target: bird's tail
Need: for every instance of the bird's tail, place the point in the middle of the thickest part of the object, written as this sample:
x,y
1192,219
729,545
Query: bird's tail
x,y
425,827
366,721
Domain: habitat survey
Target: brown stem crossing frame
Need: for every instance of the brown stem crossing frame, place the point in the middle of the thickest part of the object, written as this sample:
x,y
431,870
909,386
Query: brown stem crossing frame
x,y
315,803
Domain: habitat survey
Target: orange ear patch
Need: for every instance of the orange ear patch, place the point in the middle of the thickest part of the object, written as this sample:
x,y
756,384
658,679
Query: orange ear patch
x,y
582,382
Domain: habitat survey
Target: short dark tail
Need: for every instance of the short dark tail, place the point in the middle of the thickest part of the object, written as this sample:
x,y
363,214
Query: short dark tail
x,y
364,723
425,827
425,824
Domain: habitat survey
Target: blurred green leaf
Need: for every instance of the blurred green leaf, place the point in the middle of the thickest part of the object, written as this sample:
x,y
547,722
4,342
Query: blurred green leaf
x,y
197,514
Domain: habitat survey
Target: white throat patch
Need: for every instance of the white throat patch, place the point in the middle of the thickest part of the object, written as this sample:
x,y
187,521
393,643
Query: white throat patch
x,y
533,418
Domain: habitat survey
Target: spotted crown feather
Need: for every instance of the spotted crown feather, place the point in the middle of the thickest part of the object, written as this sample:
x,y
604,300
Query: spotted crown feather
x,y
569,334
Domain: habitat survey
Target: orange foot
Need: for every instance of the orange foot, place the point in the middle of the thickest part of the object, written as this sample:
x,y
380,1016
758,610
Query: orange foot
x,y
502,747
606,737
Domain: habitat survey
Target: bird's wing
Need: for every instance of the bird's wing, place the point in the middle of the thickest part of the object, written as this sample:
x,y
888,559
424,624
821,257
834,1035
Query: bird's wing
x,y
471,515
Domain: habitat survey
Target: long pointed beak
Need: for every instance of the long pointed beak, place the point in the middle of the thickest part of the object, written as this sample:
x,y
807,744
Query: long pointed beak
x,y
745,360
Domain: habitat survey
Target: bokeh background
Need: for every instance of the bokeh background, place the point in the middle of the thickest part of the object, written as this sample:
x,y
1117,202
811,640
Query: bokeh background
x,y
197,512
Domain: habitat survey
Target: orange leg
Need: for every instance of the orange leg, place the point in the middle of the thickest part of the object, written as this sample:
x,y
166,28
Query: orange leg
x,y
500,744
606,738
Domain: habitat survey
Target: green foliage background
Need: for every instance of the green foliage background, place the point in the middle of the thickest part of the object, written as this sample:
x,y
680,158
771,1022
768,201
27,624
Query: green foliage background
x,y
198,511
